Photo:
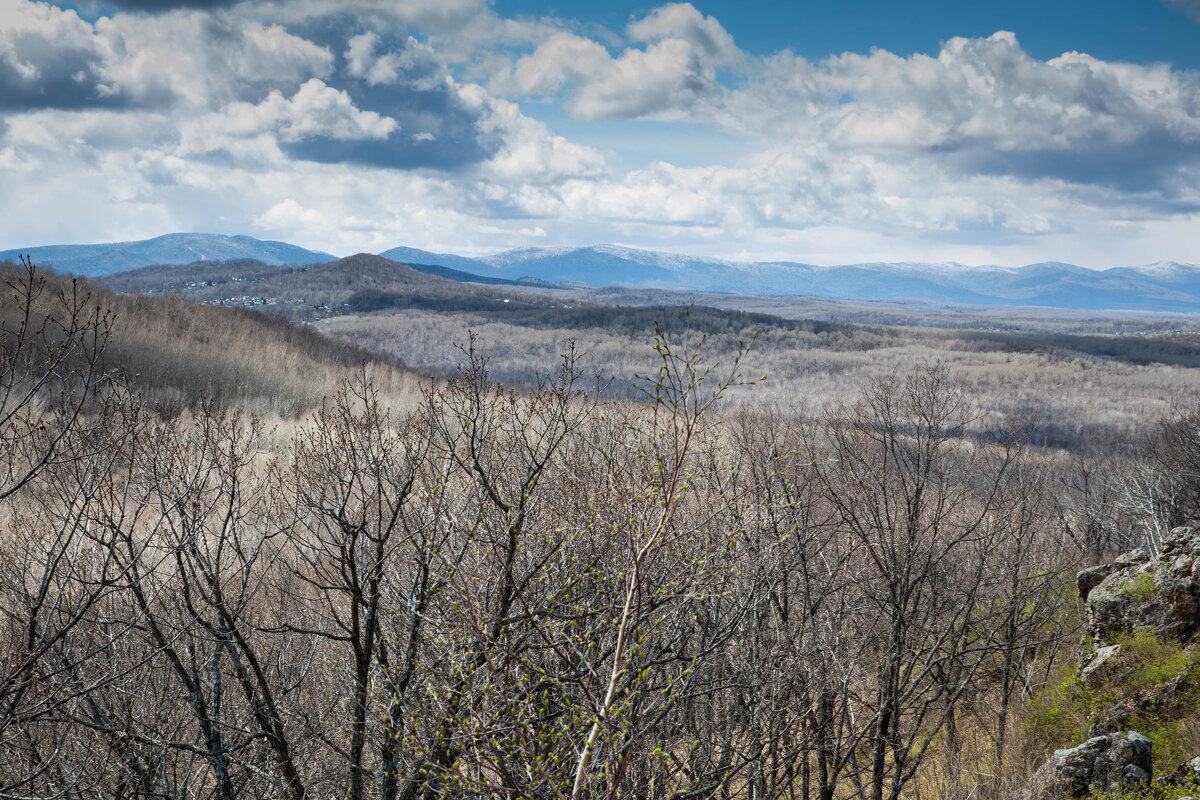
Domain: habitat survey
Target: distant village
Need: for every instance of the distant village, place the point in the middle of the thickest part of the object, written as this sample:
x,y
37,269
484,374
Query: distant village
x,y
320,311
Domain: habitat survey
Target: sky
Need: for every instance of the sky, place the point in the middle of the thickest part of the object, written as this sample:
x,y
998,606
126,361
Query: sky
x,y
863,130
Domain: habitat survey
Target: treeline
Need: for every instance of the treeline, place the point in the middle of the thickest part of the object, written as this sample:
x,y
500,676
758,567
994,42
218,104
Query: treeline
x,y
1182,350
533,311
365,284
529,594
160,277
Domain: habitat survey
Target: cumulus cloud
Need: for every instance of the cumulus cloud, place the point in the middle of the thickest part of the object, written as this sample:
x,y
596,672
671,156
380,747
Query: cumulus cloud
x,y
683,21
409,61
315,111
324,124
257,58
288,215
983,106
679,65
50,58
979,106
528,152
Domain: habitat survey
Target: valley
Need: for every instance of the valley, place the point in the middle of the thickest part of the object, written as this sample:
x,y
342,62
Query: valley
x,y
566,469
1072,375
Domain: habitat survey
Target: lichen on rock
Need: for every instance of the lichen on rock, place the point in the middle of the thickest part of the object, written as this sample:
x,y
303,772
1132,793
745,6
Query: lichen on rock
x,y
1137,592
1114,761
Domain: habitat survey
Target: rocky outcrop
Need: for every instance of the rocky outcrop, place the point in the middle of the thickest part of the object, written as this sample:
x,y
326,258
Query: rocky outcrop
x,y
1137,592
1117,761
1131,601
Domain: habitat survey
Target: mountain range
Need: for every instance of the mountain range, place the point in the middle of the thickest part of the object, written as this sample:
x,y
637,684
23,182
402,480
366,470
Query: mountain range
x,y
1165,286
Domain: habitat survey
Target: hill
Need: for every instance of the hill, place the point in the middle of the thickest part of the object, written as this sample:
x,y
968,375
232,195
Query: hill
x,y
177,354
358,283
174,248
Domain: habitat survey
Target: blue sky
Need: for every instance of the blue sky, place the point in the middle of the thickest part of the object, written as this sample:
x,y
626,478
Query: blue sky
x,y
1004,133
1131,30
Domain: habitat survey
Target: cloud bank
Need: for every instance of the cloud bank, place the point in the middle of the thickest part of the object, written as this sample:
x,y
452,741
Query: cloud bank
x,y
363,125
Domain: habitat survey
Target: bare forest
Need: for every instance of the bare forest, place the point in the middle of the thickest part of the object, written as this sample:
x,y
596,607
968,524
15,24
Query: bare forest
x,y
567,565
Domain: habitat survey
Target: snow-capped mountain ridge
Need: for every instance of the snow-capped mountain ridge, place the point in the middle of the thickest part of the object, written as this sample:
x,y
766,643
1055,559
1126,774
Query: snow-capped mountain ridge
x,y
1161,286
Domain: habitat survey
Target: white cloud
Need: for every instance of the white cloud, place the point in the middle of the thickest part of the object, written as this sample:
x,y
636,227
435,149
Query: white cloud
x,y
320,110
290,216
981,106
363,61
349,132
270,51
528,153
50,57
678,66
252,131
683,21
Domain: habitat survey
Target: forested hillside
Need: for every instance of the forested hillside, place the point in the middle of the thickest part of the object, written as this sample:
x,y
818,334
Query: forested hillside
x,y
176,354
452,587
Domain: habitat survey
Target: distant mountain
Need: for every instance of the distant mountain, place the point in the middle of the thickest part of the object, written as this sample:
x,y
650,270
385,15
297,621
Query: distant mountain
x,y
1166,286
174,248
471,277
411,255
327,282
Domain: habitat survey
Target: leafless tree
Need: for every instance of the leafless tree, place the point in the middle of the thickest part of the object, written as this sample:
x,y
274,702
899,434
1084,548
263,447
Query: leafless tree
x,y
919,497
509,593
501,449
56,437
369,539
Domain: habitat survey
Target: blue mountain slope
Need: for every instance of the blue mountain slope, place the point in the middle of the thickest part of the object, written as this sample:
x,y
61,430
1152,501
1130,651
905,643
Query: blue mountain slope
x,y
1160,287
619,267
411,255
174,248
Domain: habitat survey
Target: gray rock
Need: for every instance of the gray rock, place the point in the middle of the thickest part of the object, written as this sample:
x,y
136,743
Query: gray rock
x,y
1114,761
1187,773
1132,558
1100,667
1090,578
1138,592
